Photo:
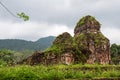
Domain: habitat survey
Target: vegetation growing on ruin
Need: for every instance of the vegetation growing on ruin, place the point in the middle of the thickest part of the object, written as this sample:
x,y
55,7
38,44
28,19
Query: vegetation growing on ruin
x,y
81,21
79,39
56,49
100,39
86,19
61,44
80,45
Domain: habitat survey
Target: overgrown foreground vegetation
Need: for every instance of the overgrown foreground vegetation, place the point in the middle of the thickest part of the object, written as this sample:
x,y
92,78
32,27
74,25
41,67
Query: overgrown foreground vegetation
x,y
59,72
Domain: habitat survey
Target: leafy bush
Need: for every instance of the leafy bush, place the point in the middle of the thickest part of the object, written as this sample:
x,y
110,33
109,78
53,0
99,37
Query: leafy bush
x,y
2,63
7,56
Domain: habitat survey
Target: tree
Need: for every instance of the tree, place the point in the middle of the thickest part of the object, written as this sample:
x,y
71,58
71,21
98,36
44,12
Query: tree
x,y
115,53
7,56
21,15
24,16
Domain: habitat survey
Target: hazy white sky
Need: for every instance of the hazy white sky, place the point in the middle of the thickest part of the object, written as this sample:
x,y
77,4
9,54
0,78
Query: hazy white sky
x,y
52,17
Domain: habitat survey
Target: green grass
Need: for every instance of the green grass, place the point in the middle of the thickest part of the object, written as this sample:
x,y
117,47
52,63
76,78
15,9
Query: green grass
x,y
59,72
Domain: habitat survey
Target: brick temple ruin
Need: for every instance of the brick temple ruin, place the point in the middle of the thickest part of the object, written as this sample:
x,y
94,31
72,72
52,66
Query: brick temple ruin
x,y
88,45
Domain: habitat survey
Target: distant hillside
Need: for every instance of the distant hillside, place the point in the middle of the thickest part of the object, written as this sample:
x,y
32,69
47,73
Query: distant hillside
x,y
45,42
19,45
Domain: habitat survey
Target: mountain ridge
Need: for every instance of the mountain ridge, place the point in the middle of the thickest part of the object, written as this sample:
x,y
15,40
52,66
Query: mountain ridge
x,y
19,44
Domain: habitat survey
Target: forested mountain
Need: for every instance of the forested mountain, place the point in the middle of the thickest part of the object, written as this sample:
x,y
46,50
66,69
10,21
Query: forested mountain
x,y
19,45
45,42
